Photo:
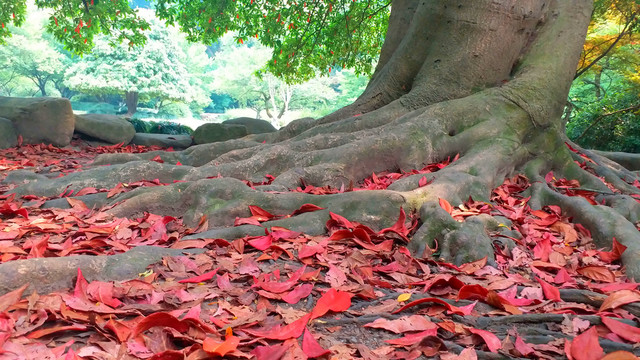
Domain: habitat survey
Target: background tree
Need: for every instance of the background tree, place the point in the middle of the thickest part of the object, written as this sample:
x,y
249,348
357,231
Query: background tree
x,y
237,72
33,54
156,71
604,101
481,79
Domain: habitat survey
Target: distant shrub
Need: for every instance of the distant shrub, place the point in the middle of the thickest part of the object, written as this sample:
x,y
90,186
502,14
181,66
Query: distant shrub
x,y
603,125
94,107
160,127
174,111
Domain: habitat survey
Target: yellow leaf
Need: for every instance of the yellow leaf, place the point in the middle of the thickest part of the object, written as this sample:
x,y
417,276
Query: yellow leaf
x,y
403,297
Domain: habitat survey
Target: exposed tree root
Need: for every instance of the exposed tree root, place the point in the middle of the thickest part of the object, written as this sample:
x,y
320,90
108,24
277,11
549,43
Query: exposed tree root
x,y
494,138
46,275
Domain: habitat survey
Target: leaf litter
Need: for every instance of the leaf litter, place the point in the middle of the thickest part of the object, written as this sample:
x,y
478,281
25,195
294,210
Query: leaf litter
x,y
353,293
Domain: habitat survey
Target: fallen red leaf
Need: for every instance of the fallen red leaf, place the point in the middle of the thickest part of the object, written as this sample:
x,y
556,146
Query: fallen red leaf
x,y
160,319
333,300
103,292
451,308
300,292
586,346
290,331
403,324
306,208
493,342
311,347
280,287
272,352
399,227
523,348
260,214
627,332
616,252
550,292
200,278
412,339
261,243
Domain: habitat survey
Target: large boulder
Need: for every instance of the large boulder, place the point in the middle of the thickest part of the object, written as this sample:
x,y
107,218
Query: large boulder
x,y
208,133
40,120
254,126
8,136
110,128
164,140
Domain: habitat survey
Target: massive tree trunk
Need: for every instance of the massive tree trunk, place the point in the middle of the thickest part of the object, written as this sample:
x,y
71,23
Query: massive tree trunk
x,y
484,79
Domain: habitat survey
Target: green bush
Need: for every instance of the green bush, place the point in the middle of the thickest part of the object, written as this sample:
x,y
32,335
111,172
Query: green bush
x,y
604,126
174,111
160,127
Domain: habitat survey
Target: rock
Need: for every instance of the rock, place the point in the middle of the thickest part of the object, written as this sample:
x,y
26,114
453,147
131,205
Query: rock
x,y
110,128
254,126
174,141
8,136
209,133
40,120
23,176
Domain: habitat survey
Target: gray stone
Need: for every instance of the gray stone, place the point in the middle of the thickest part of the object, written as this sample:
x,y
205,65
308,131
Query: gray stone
x,y
174,141
40,120
110,128
209,133
8,136
254,126
23,176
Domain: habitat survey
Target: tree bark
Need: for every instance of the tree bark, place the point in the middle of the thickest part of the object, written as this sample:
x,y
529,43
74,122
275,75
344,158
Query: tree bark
x,y
481,79
131,100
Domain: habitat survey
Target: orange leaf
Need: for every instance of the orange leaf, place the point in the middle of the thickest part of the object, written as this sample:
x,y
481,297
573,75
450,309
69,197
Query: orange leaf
x,y
620,355
472,267
48,331
11,298
619,298
597,273
445,205
214,347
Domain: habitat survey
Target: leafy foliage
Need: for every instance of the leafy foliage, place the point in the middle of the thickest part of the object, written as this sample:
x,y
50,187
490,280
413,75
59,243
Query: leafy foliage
x,y
604,99
157,70
306,36
76,23
31,55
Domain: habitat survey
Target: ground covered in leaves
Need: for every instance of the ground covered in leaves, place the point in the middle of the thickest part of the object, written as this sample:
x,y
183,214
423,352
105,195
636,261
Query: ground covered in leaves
x,y
354,293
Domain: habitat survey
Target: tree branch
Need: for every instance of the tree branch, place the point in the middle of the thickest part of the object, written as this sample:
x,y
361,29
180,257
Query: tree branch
x,y
606,52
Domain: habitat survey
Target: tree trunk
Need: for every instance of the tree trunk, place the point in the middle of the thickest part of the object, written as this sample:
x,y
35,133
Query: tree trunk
x,y
131,99
482,79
